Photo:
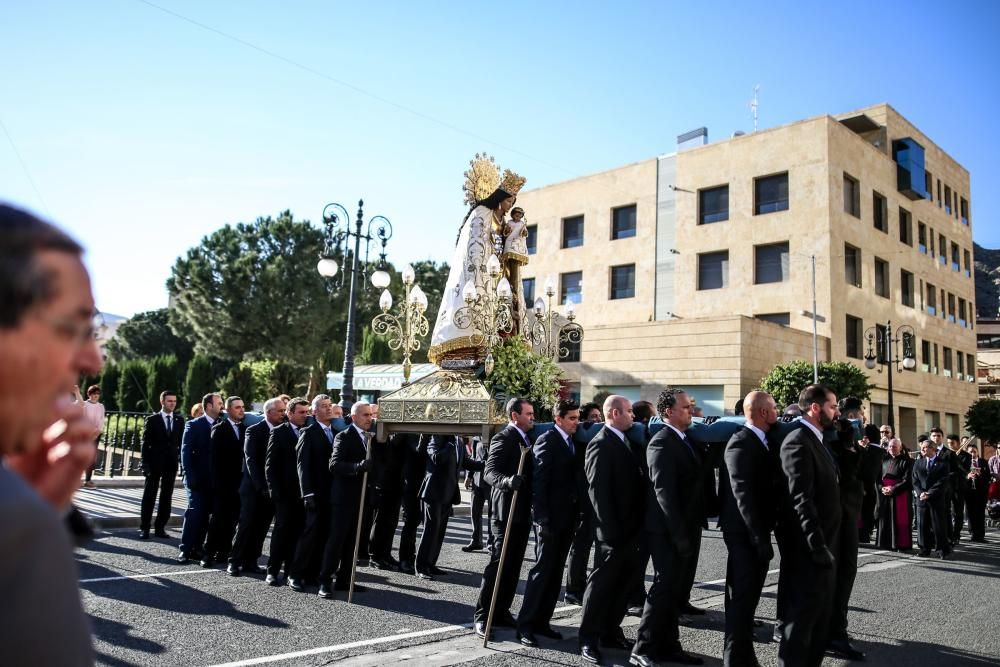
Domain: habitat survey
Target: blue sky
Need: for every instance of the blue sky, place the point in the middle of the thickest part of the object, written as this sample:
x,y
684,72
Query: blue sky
x,y
141,127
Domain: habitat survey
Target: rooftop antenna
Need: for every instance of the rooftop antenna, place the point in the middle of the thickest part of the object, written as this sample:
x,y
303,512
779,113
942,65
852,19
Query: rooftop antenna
x,y
753,106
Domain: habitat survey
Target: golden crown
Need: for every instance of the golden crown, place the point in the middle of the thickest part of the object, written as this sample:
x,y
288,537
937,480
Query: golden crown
x,y
512,183
481,179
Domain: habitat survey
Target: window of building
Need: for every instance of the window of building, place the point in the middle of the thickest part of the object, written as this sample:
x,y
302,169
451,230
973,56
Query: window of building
x,y
771,263
986,341
922,237
930,242
961,313
713,270
932,418
852,265
955,257
882,277
940,198
925,356
944,302
572,351
528,290
623,222
920,291
905,227
970,367
853,337
880,212
906,287
623,281
937,363
942,249
960,365
931,299
784,319
968,263
572,232
571,287
852,195
946,361
951,307
964,210
770,194
532,240
947,200
713,204
929,185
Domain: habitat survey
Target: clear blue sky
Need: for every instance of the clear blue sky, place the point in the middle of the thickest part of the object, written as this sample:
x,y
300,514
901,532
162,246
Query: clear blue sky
x,y
142,131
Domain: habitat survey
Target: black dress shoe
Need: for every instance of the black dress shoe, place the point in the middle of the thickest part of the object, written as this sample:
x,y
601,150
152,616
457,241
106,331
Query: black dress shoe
x,y
480,629
634,611
619,642
527,638
143,534
207,562
406,567
325,591
641,660
683,658
776,635
426,576
841,648
573,598
272,579
689,609
472,546
233,570
161,533
380,564
549,633
183,558
757,623
591,653
296,585
253,568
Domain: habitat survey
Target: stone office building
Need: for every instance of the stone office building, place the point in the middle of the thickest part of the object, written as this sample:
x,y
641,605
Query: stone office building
x,y
695,269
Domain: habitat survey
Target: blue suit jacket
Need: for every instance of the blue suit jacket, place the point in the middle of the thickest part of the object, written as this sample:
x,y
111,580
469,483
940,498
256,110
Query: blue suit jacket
x,y
196,454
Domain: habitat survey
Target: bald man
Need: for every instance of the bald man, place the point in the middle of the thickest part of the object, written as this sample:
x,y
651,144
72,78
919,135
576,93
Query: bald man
x,y
748,491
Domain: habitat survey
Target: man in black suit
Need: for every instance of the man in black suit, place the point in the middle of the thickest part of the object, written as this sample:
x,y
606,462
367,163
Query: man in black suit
x,y
161,444
414,468
349,461
675,515
976,492
439,493
312,454
616,486
480,497
748,491
389,459
281,473
961,464
814,510
227,473
583,538
196,462
930,486
256,508
507,449
556,482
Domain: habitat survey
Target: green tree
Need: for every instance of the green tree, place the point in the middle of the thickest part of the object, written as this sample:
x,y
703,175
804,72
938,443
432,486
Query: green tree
x,y
148,335
109,386
164,373
239,381
132,395
200,379
374,349
983,420
785,381
271,378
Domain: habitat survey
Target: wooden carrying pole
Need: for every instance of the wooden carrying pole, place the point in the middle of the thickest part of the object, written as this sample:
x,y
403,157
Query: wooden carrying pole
x,y
503,551
361,515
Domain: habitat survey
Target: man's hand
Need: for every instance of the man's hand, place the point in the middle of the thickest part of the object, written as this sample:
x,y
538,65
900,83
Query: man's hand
x,y
515,482
66,450
924,496
363,467
310,503
822,557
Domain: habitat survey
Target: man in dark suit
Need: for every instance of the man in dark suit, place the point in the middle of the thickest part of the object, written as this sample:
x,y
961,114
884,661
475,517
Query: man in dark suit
x,y
389,459
440,493
349,461
930,486
256,508
196,461
556,506
161,444
976,492
961,464
312,455
675,515
227,472
508,449
281,473
414,468
616,486
748,493
480,497
814,510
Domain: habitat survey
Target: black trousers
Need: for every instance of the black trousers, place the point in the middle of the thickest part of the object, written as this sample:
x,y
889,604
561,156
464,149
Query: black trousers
x,y
975,508
658,630
690,567
932,526
637,594
435,524
507,586
956,514
310,549
256,512
480,496
846,556
579,553
338,552
412,516
868,505
541,592
222,523
606,599
162,482
783,537
746,572
385,519
289,517
808,593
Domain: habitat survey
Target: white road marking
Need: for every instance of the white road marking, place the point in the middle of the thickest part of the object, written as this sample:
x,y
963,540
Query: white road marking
x,y
149,576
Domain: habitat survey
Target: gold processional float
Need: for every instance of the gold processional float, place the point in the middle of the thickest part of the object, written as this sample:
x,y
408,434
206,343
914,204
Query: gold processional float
x,y
481,305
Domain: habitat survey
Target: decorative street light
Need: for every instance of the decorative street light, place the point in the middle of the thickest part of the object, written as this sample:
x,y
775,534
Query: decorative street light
x,y
408,325
336,242
487,313
883,349
543,330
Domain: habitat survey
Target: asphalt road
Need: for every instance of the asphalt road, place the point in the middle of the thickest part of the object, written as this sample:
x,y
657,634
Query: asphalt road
x,y
149,610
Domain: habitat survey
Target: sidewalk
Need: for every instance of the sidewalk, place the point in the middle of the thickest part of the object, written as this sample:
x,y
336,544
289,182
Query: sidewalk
x,y
115,503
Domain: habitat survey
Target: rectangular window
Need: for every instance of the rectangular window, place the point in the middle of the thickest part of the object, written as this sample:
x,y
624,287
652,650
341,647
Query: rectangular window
x,y
925,356
623,222
922,237
964,210
929,185
940,198
905,227
623,281
882,277
528,290
784,319
960,365
713,205
852,195
961,313
906,287
852,265
770,194
880,213
955,257
942,249
571,287
937,361
930,242
951,307
713,270
970,367
532,240
572,232
771,263
853,337
968,263
931,299
944,302
947,200
946,361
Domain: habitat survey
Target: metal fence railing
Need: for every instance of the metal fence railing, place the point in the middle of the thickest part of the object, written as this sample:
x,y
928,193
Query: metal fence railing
x,y
119,449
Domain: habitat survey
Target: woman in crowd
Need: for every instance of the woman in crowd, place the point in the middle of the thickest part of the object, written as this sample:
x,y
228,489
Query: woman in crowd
x,y
893,530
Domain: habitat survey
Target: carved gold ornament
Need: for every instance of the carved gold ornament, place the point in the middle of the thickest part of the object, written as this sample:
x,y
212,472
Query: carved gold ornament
x,y
482,178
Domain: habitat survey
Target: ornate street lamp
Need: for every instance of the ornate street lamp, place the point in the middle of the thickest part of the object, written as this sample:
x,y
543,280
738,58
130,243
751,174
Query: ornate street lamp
x,y
336,242
543,331
408,325
487,313
883,349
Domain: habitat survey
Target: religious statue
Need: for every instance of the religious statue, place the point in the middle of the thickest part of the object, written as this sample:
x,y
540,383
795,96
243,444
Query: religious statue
x,y
485,233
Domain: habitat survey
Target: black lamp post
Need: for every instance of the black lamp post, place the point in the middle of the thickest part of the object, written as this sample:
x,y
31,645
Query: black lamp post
x,y
883,350
336,241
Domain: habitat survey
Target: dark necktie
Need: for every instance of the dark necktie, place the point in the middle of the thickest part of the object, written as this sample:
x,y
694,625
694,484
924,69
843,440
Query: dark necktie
x,y
569,443
329,434
687,443
170,424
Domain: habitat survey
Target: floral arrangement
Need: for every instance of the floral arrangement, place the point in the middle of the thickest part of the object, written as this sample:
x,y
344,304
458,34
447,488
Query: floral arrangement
x,y
520,371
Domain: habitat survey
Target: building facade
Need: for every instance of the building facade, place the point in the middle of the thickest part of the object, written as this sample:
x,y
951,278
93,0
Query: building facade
x,y
696,269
